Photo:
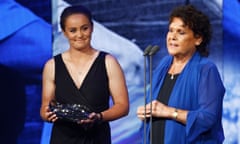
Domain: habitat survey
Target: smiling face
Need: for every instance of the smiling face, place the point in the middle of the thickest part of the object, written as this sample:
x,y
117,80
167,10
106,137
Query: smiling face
x,y
78,31
181,41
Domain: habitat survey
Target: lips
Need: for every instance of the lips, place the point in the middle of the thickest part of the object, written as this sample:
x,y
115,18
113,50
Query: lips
x,y
173,45
79,40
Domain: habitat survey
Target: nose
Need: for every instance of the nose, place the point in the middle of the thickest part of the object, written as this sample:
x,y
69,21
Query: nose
x,y
79,34
172,36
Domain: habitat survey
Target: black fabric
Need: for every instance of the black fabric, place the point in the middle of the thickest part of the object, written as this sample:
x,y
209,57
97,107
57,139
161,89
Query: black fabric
x,y
94,93
158,124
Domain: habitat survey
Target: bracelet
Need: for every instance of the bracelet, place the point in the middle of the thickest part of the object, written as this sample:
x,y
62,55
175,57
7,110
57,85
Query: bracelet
x,y
175,114
100,116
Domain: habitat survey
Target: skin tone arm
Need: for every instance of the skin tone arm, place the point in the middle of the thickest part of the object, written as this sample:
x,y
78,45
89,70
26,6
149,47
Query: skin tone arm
x,y
119,93
162,111
118,89
48,88
117,86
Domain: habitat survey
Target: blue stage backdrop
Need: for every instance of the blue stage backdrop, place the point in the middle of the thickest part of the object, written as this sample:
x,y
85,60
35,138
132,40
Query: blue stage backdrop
x,y
231,71
122,28
25,45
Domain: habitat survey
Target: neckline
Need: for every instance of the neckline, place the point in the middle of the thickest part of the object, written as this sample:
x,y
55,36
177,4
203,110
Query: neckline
x,y
85,77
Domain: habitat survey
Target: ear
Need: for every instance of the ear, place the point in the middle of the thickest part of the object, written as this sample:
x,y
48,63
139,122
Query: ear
x,y
198,40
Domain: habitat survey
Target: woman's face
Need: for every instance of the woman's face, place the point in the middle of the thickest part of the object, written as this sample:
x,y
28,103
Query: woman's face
x,y
180,39
78,31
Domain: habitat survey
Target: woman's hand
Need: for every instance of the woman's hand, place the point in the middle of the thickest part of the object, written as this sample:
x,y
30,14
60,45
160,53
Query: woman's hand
x,y
158,110
161,110
48,115
92,118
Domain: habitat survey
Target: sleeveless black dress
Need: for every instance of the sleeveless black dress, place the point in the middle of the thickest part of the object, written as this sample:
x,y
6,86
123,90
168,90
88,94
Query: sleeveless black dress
x,y
93,93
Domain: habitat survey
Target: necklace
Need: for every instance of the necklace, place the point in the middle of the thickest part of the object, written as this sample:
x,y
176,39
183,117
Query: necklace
x,y
177,68
172,73
75,69
172,76
79,73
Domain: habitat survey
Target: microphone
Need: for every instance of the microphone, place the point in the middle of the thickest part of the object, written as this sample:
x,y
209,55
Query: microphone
x,y
145,54
153,50
147,50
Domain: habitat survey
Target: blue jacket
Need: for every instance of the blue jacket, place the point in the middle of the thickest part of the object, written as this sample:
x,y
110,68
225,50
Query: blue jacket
x,y
198,89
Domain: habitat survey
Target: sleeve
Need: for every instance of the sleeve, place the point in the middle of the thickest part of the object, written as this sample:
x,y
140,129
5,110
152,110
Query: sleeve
x,y
210,98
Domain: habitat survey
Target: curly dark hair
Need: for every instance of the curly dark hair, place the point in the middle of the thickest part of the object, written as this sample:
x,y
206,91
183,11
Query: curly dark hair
x,y
198,22
76,9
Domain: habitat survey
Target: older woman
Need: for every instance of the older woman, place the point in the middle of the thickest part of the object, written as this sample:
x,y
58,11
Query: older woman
x,y
187,88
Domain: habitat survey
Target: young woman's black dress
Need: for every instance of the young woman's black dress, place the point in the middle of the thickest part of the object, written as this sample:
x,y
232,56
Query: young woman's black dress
x,y
93,93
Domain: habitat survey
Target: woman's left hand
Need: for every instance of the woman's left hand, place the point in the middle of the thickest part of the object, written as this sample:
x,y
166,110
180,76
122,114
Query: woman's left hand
x,y
92,118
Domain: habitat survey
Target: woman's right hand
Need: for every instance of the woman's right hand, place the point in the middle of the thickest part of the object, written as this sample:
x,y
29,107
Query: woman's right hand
x,y
48,115
155,109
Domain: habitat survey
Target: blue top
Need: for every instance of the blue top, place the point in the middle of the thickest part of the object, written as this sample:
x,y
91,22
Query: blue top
x,y
198,89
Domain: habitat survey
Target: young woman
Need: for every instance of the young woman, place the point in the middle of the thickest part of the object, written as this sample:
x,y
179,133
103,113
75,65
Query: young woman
x,y
83,75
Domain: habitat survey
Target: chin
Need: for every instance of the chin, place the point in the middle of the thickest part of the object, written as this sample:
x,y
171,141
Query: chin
x,y
171,53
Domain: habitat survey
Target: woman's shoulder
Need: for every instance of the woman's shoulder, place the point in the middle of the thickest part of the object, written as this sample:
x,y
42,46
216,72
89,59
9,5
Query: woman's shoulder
x,y
207,65
110,60
206,62
108,56
49,62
